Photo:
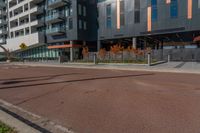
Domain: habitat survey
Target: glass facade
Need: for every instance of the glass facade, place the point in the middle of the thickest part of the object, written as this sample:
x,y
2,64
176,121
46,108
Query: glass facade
x,y
174,9
137,11
154,10
122,13
108,16
39,53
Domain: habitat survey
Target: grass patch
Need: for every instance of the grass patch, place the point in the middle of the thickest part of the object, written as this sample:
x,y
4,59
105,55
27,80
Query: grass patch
x,y
6,129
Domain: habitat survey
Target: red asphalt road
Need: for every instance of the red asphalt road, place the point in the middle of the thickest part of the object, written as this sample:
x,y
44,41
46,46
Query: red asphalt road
x,y
106,101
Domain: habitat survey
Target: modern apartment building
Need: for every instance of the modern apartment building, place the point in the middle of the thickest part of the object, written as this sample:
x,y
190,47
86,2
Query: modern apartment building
x,y
51,28
3,22
154,23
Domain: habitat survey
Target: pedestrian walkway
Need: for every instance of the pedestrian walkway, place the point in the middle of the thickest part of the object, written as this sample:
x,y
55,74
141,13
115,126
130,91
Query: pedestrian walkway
x,y
175,67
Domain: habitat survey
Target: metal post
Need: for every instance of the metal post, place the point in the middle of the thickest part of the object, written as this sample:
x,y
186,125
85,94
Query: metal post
x,y
71,52
149,59
168,58
95,58
134,42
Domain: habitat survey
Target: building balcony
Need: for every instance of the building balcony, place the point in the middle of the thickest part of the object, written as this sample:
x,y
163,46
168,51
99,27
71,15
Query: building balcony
x,y
58,3
2,41
3,32
58,17
3,22
37,1
38,23
38,10
3,13
56,31
2,4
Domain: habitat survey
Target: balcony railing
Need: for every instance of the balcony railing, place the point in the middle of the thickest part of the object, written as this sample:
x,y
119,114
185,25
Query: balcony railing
x,y
55,18
3,13
56,31
58,3
38,10
2,40
3,31
3,22
37,1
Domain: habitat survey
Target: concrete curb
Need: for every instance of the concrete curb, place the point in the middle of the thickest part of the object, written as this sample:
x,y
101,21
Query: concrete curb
x,y
16,124
112,67
22,124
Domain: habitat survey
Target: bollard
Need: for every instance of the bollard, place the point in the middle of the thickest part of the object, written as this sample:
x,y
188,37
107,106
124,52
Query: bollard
x,y
95,59
168,58
149,59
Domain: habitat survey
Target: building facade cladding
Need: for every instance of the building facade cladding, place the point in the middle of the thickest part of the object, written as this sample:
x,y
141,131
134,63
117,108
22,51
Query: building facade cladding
x,y
39,23
154,17
3,22
77,21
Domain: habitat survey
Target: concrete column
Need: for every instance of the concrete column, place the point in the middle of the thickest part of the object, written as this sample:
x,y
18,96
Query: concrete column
x,y
134,42
98,45
71,52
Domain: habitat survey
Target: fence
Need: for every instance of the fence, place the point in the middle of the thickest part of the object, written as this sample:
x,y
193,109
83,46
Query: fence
x,y
156,55
177,54
121,57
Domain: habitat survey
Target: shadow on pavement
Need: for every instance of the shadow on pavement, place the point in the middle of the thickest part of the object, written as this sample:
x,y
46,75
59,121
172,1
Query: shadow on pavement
x,y
78,80
40,78
37,77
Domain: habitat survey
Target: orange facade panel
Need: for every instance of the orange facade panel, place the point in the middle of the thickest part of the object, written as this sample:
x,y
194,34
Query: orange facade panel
x,y
118,14
64,46
149,22
168,1
189,16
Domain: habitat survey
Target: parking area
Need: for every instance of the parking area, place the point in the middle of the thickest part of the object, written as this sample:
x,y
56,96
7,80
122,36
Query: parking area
x,y
106,101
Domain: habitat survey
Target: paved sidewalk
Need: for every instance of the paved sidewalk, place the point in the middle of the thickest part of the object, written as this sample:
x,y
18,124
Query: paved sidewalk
x,y
174,67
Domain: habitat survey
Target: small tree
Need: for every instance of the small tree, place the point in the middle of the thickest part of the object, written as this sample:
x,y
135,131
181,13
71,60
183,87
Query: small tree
x,y
115,49
102,53
85,52
148,50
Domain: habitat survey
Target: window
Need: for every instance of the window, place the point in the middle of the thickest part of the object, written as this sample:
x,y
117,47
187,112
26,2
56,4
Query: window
x,y
70,23
27,31
174,9
137,11
198,3
80,24
122,14
108,16
85,25
154,10
84,11
79,9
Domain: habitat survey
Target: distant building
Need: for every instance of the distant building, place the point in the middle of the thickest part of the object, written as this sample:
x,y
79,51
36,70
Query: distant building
x,y
143,23
3,22
53,28
47,26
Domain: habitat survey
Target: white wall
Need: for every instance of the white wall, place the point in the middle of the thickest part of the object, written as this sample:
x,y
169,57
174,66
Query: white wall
x,y
31,39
